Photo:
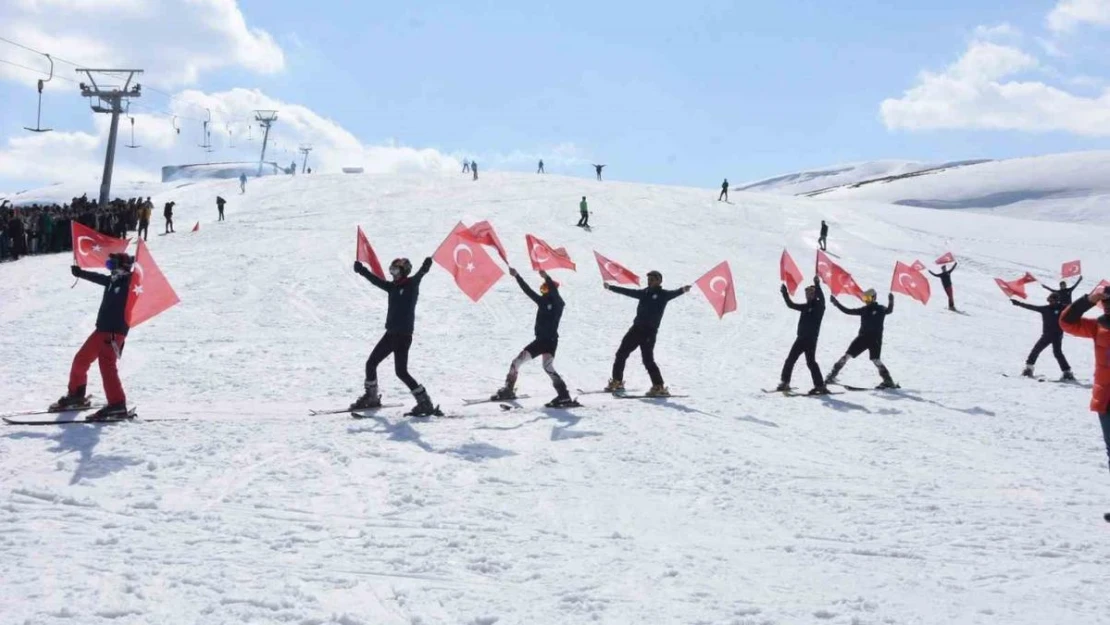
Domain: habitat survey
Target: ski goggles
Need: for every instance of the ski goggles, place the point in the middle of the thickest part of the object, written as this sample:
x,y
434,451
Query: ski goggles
x,y
111,264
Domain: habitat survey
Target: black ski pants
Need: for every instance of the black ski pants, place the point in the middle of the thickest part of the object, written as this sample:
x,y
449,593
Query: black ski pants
x,y
221,209
1056,341
584,220
808,347
642,338
723,195
821,242
398,345
1104,421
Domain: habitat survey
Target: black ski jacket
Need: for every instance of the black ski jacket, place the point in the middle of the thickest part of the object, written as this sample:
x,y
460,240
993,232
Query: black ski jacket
x,y
1050,316
1064,293
809,322
653,301
549,308
401,315
111,317
872,317
945,275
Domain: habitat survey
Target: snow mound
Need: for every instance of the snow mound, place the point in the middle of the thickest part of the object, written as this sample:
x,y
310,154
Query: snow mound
x,y
803,182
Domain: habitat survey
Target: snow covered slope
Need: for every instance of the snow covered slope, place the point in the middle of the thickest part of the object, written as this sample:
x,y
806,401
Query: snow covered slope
x,y
966,498
815,180
1072,187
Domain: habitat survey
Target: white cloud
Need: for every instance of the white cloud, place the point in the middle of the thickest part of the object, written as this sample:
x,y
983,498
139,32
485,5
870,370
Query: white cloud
x,y
175,41
1067,14
1003,31
74,156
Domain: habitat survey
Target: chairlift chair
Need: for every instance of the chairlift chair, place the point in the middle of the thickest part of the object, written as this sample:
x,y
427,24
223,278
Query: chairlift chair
x,y
38,119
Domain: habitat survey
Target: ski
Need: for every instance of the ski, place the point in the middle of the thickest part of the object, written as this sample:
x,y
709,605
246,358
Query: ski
x,y
848,387
471,402
613,393
316,413
1039,378
648,396
132,417
793,393
29,413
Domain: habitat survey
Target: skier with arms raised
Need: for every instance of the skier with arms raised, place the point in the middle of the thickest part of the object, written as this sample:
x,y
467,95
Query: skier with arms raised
x,y
945,276
809,329
645,327
872,317
1051,334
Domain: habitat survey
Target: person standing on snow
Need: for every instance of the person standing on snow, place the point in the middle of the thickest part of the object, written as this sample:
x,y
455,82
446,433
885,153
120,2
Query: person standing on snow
x,y
1051,334
724,191
167,212
220,206
1098,330
945,276
645,328
584,211
466,166
809,329
824,235
598,169
104,345
242,183
872,317
400,320
144,220
474,169
540,170
549,310
1064,292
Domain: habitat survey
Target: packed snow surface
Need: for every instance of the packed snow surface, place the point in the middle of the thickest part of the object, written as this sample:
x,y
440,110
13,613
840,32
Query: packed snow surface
x,y
967,497
817,179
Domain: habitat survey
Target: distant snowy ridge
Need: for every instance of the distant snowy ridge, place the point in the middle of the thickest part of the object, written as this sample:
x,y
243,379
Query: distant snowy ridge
x,y
803,182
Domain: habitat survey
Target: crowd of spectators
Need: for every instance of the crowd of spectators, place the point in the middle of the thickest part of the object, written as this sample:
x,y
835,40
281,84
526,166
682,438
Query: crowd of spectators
x,y
38,229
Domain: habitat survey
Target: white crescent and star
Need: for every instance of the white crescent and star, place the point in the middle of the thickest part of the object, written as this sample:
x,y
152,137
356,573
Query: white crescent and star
x,y
95,247
138,268
536,257
469,264
609,270
907,281
713,284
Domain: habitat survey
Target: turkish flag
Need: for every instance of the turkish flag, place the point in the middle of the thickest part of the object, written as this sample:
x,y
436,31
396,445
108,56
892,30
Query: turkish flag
x,y
1071,270
718,289
482,232
150,292
839,281
1027,278
1014,288
1101,285
789,272
91,249
947,258
196,227
918,265
543,256
365,254
909,281
615,271
468,263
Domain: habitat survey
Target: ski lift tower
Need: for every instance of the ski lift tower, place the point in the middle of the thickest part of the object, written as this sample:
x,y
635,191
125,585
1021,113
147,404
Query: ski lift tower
x,y
264,118
110,99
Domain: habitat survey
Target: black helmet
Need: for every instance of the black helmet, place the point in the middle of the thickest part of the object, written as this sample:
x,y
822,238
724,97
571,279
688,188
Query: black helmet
x,y
120,261
403,264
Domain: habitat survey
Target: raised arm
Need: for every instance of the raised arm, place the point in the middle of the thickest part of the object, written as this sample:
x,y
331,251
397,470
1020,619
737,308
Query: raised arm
x,y
532,295
848,311
889,304
935,275
1072,320
669,295
91,276
789,303
954,265
1072,287
633,293
369,275
1048,288
1027,306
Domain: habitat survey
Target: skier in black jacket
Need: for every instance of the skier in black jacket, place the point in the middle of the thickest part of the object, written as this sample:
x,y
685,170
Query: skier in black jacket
x,y
1051,334
549,311
809,329
1064,292
872,317
822,239
645,327
104,345
945,276
400,320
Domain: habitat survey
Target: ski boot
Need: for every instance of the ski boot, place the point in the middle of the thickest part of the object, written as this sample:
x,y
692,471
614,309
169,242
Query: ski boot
x,y
1027,372
72,401
563,401
504,394
111,412
657,390
819,390
370,398
783,387
888,382
614,386
1068,376
423,407
831,378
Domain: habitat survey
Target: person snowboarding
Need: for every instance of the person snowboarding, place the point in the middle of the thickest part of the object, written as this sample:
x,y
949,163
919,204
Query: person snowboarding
x,y
809,329
474,169
540,170
400,320
945,276
167,212
1051,334
104,345
549,310
242,183
598,169
1064,292
642,335
821,240
220,206
1098,330
466,166
724,191
584,211
872,316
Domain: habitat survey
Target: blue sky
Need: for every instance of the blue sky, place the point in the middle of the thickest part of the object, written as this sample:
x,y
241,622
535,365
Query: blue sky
x,y
682,93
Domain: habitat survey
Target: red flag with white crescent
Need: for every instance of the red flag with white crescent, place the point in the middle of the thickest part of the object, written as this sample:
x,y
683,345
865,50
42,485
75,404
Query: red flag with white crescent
x,y
947,258
364,253
789,272
1013,288
150,292
545,257
1027,278
909,281
468,263
91,249
615,271
918,265
1071,270
839,281
718,288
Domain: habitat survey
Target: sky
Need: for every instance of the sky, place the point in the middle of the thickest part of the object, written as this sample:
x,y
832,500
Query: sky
x,y
674,93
